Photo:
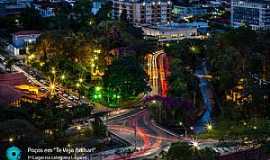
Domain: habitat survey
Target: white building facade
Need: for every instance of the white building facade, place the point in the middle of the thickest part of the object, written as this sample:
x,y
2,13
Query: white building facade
x,y
20,41
255,13
144,12
175,31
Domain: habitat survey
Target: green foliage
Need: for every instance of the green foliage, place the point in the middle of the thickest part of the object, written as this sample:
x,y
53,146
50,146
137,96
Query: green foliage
x,y
126,77
104,13
184,151
256,130
179,151
81,111
19,130
100,130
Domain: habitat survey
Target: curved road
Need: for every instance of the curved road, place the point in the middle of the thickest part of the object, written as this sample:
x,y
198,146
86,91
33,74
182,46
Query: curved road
x,y
149,140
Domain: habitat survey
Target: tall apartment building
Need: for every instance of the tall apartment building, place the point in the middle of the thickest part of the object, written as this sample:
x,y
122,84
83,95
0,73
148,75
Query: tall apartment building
x,y
144,11
255,13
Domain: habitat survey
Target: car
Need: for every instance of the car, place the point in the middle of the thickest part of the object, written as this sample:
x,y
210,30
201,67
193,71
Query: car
x,y
43,89
59,106
76,98
70,98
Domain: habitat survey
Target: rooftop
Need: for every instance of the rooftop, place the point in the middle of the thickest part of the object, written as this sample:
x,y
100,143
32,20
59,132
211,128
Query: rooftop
x,y
21,33
174,26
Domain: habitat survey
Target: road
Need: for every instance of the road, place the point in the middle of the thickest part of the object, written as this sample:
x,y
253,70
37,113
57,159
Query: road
x,y
32,76
139,130
157,72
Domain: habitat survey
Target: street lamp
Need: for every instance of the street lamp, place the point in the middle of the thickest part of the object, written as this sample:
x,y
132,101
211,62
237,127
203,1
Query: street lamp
x,y
98,88
195,144
80,80
53,70
41,64
10,139
79,128
209,127
52,88
63,77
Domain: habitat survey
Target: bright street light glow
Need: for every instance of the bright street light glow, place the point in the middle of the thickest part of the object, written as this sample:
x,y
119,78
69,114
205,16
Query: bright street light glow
x,y
53,70
41,64
63,77
79,127
78,85
209,127
52,86
80,80
10,139
193,49
98,88
195,144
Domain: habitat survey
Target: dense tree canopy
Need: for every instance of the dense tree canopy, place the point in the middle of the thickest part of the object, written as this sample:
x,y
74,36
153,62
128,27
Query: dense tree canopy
x,y
125,76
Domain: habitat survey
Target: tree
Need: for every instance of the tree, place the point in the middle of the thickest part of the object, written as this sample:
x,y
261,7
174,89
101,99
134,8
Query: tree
x,y
100,130
19,130
10,63
82,111
31,19
104,13
125,77
179,151
45,46
185,151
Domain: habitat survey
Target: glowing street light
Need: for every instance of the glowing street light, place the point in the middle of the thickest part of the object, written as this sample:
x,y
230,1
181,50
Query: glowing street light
x,y
53,70
10,139
78,85
79,128
80,80
154,101
31,57
195,144
209,127
97,51
41,64
193,48
52,87
98,88
63,77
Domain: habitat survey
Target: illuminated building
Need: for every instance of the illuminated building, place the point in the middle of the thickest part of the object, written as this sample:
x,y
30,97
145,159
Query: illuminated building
x,y
15,88
143,12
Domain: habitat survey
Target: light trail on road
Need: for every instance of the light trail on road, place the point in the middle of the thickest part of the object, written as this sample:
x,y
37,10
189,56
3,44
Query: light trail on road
x,y
150,139
157,72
